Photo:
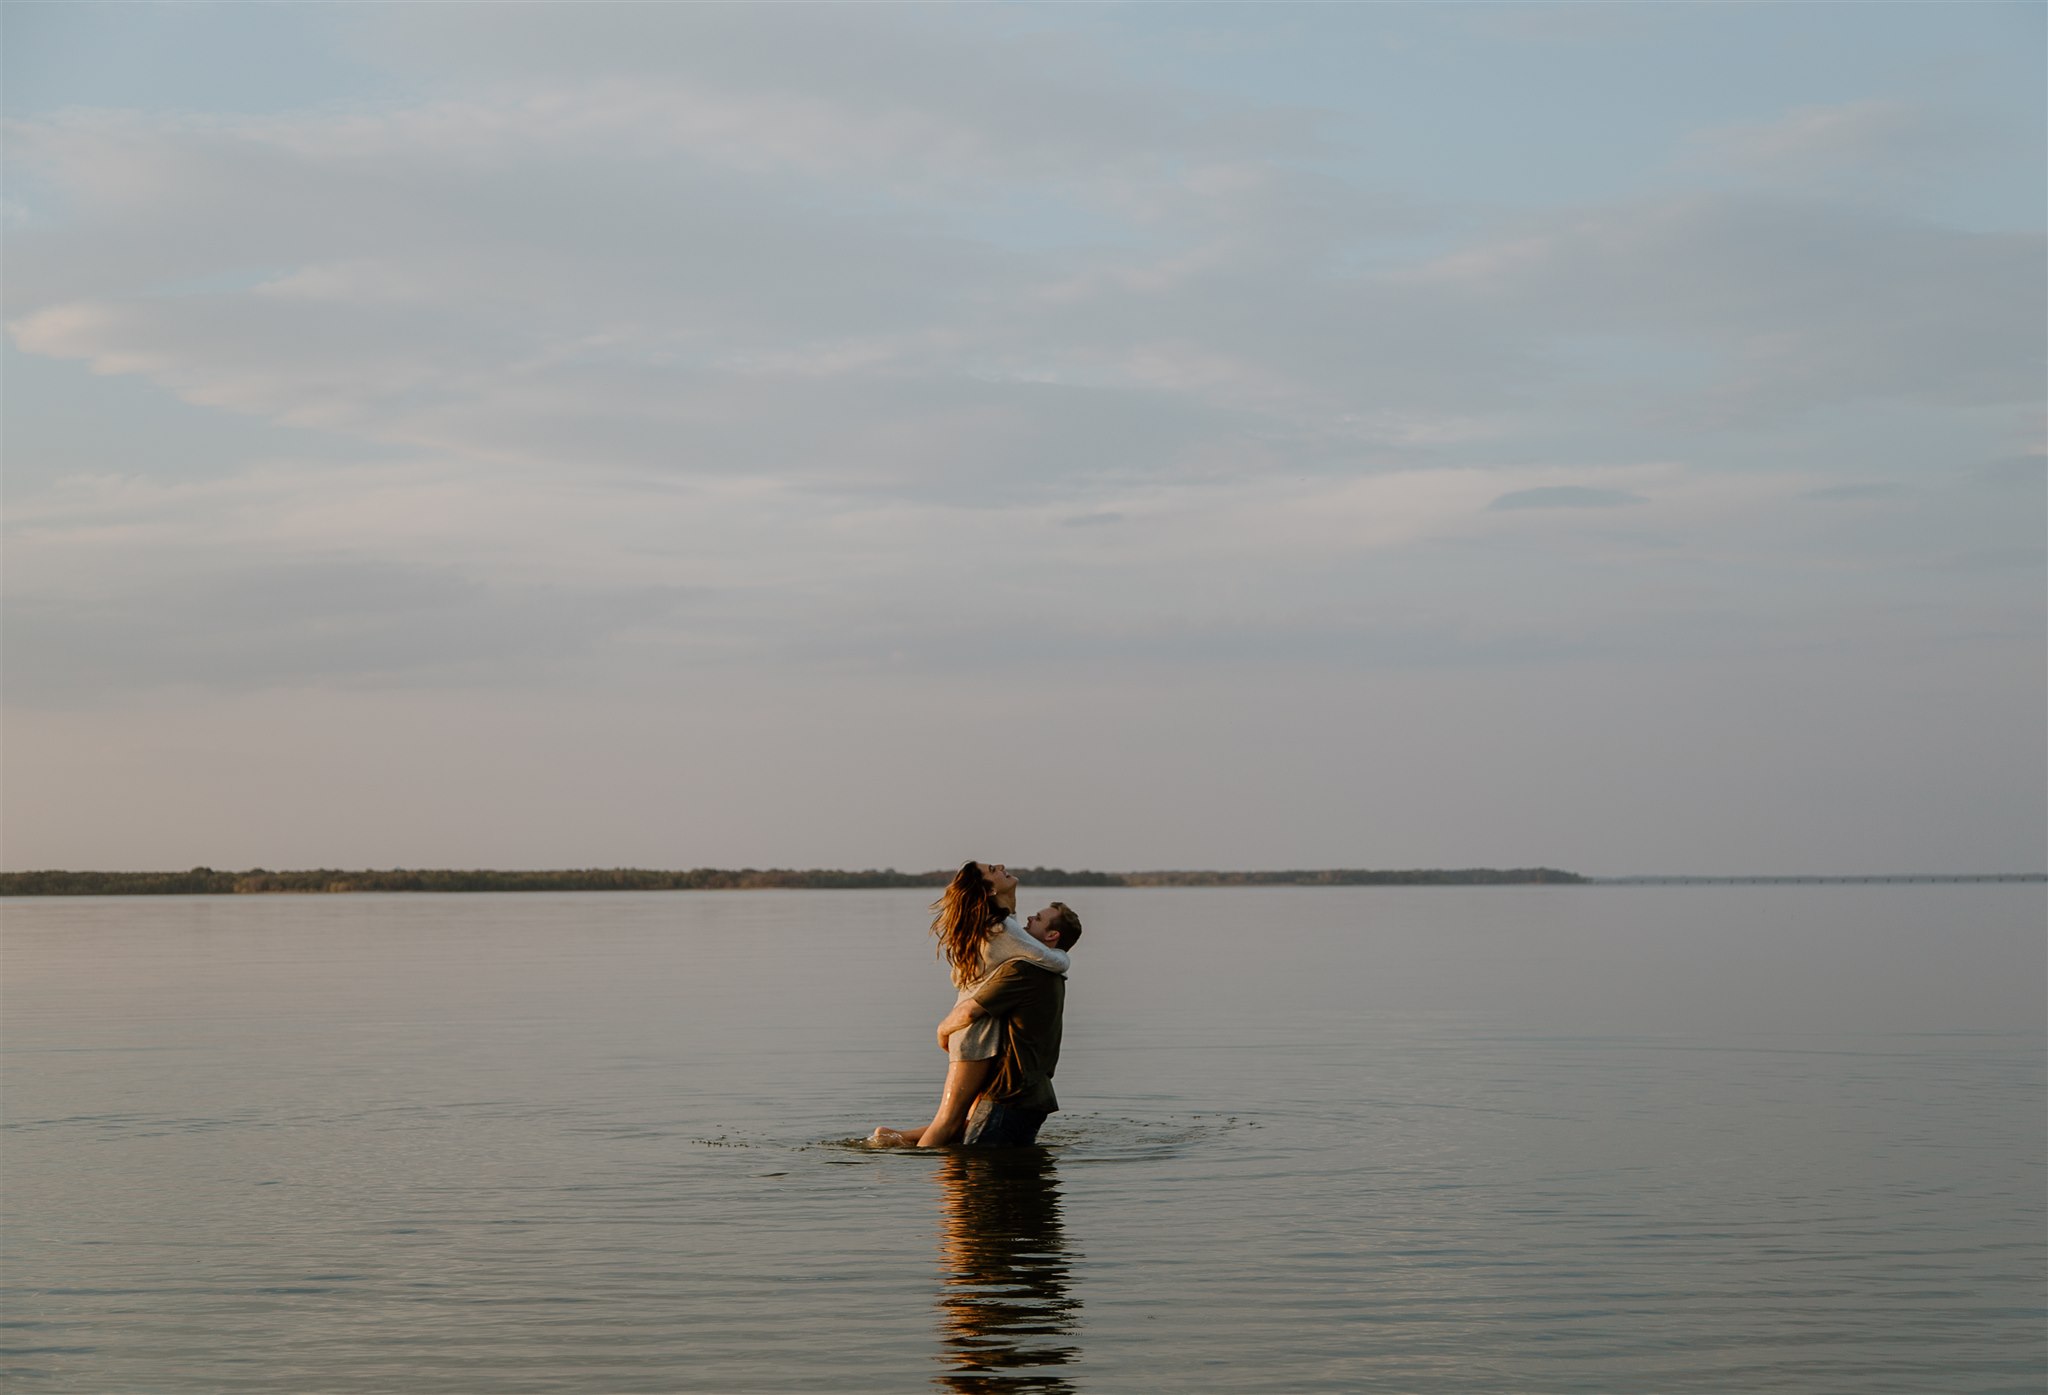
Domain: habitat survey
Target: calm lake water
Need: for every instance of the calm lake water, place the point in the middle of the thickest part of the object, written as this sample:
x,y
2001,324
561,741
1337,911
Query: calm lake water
x,y
1428,1139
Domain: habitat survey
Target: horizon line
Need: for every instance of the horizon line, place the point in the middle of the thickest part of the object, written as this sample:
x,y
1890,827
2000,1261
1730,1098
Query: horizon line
x,y
204,880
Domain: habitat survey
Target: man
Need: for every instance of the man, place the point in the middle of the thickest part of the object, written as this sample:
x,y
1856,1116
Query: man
x,y
1029,1001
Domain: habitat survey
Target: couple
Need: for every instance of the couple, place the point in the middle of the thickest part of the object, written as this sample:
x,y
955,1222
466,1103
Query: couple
x,y
1002,1038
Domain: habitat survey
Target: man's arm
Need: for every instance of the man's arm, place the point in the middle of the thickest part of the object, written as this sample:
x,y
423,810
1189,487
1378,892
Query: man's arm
x,y
998,995
964,1012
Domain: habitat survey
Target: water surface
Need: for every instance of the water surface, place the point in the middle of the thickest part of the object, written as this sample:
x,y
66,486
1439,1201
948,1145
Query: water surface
x,y
1315,1139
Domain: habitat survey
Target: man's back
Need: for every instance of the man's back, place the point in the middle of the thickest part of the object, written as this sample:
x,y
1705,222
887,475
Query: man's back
x,y
1030,1001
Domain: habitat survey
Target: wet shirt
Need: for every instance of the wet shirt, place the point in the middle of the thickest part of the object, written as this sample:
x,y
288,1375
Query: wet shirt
x,y
1029,1002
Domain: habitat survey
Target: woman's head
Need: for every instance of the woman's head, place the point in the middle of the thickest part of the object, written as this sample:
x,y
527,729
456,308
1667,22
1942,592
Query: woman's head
x,y
968,912
1001,884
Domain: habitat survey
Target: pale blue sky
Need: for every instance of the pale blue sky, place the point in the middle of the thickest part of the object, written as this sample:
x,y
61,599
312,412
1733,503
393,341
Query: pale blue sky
x,y
1606,436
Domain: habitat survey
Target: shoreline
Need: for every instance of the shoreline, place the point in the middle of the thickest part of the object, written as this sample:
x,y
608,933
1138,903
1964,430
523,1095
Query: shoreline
x,y
206,881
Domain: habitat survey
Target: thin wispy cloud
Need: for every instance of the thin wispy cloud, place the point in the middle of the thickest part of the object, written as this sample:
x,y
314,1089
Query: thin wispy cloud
x,y
1565,496
1871,143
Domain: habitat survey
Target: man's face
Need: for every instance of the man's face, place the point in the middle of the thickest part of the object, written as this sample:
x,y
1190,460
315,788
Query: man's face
x,y
1044,927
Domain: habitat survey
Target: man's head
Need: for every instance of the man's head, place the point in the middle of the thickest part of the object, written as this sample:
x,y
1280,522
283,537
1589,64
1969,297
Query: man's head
x,y
1056,925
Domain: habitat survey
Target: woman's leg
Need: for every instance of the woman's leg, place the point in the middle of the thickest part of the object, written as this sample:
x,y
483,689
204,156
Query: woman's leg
x,y
964,1080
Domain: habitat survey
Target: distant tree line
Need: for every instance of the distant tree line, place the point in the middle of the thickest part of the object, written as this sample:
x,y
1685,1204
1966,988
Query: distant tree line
x,y
205,881
1352,876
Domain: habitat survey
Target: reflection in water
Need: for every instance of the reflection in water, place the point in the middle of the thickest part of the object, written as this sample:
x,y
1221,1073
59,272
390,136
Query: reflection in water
x,y
1004,1311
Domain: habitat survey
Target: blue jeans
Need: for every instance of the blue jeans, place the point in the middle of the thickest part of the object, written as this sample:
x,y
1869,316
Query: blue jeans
x,y
991,1125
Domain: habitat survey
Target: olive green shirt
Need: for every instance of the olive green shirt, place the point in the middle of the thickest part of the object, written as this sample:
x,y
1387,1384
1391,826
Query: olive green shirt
x,y
1028,1001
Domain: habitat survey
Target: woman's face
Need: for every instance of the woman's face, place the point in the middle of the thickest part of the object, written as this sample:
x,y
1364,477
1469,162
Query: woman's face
x,y
999,878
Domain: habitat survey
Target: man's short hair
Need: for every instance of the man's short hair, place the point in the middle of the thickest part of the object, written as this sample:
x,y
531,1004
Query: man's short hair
x,y
1066,924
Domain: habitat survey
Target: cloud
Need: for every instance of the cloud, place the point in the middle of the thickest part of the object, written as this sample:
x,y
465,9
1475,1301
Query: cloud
x,y
904,96
870,323
598,277
2014,471
412,574
1565,496
1794,304
581,401
1879,142
1556,24
236,627
1854,493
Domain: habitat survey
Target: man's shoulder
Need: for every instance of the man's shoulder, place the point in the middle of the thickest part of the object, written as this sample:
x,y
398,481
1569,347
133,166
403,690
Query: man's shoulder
x,y
1016,982
1016,967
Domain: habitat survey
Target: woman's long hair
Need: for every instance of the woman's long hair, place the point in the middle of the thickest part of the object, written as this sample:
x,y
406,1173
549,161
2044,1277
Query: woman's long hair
x,y
964,918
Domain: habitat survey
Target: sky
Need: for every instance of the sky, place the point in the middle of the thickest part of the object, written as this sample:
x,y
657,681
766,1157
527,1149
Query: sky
x,y
1598,436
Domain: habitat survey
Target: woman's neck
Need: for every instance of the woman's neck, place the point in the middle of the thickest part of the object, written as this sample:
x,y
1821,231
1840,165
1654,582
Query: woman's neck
x,y
1006,901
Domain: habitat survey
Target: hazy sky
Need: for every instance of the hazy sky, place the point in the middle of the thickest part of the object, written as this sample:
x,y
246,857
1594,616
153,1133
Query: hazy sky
x,y
1601,436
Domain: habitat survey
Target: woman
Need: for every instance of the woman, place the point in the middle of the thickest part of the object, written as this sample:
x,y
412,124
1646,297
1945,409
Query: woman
x,y
975,923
